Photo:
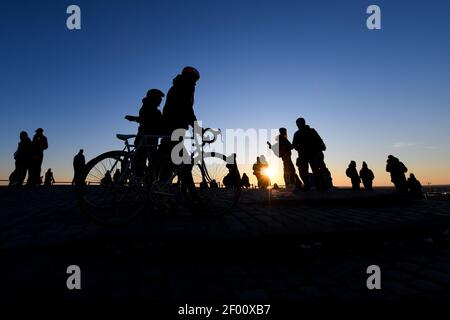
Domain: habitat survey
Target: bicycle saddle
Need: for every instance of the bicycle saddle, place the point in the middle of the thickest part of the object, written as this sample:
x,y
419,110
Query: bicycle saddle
x,y
125,137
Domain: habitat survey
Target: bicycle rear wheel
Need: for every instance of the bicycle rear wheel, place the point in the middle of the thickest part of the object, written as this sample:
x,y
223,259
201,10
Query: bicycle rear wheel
x,y
218,198
112,197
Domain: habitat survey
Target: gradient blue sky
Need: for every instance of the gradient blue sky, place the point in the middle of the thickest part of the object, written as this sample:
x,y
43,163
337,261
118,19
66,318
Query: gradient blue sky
x,y
263,64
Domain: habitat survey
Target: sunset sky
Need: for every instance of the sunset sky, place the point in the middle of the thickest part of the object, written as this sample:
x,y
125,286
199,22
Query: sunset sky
x,y
263,64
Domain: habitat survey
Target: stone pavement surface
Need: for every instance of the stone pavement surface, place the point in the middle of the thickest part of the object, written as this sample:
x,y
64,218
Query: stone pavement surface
x,y
283,246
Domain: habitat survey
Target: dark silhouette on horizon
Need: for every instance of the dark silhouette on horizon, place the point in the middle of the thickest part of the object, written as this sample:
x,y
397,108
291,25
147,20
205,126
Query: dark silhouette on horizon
x,y
79,164
367,177
310,148
397,170
282,149
415,187
38,145
233,178
262,179
245,181
352,173
22,158
49,179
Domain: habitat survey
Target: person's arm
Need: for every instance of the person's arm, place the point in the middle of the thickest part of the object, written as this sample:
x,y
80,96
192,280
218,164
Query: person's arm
x,y
132,118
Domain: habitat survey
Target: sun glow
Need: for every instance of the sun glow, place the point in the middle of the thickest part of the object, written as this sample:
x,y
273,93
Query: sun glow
x,y
270,172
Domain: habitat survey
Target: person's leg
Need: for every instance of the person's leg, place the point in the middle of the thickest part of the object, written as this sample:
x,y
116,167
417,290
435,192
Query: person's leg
x,y
303,169
39,161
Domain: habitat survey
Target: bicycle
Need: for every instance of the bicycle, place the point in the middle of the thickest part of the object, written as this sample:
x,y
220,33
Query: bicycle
x,y
136,186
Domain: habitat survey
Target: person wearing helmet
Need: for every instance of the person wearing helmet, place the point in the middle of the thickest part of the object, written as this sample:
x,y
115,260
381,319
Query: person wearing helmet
x,y
178,110
178,113
150,123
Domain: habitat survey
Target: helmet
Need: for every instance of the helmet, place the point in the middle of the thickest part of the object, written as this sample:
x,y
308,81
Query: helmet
x,y
192,72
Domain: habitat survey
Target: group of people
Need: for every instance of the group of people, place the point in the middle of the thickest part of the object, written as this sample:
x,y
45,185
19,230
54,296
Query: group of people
x,y
365,175
397,170
398,177
178,113
310,147
28,160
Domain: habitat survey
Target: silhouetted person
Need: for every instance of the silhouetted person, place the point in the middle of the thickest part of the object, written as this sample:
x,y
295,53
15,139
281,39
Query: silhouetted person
x,y
397,170
22,160
258,168
178,113
213,184
39,144
116,176
283,149
310,147
352,173
106,180
203,184
245,181
49,179
233,178
79,164
414,186
150,123
265,180
275,186
367,177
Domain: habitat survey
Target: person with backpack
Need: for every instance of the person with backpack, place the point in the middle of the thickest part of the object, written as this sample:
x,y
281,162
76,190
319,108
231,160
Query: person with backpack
x,y
397,170
352,173
283,149
310,148
367,177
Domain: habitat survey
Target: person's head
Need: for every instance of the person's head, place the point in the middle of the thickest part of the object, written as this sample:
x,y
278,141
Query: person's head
x,y
81,151
191,74
300,123
364,164
154,97
352,164
283,132
49,170
39,131
412,176
23,135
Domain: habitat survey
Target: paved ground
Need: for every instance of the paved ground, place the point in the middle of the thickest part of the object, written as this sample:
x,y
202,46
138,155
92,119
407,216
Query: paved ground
x,y
283,246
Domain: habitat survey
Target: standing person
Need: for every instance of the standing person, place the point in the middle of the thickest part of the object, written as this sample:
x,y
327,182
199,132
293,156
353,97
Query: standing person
x,y
367,177
178,113
49,179
22,159
283,149
257,171
39,144
150,123
310,147
352,173
397,170
79,164
245,181
414,186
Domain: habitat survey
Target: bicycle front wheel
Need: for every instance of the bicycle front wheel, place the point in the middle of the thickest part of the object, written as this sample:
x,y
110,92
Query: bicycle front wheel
x,y
217,184
112,193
